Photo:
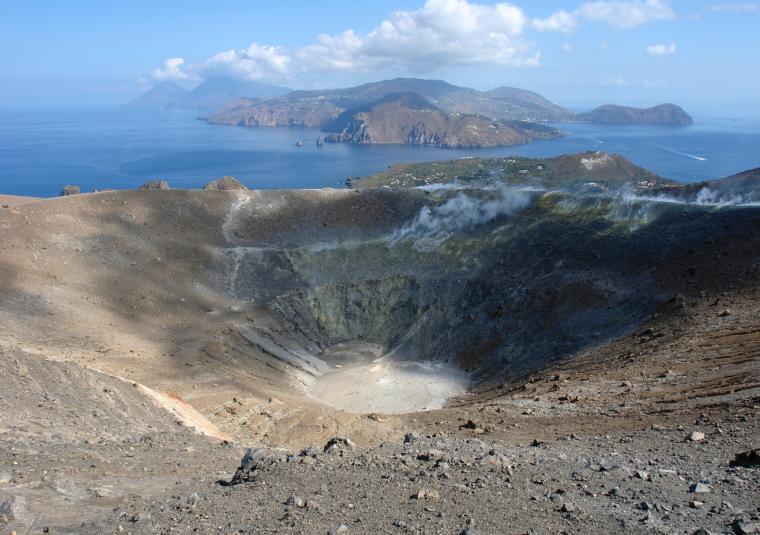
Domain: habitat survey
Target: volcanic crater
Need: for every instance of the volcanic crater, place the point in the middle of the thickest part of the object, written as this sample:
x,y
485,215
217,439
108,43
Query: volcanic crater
x,y
287,318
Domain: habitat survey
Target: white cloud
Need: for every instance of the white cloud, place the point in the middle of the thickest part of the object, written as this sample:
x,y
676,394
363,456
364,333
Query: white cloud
x,y
567,47
254,62
626,13
172,70
661,50
617,13
559,21
441,33
736,7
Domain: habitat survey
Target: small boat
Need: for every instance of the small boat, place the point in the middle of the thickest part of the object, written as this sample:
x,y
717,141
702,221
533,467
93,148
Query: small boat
x,y
299,143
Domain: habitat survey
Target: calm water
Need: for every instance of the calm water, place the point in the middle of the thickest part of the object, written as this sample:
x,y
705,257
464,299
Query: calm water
x,y
42,151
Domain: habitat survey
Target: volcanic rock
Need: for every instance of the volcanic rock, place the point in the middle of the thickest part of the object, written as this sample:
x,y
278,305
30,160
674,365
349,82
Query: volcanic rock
x,y
70,190
249,464
338,443
155,184
747,459
226,183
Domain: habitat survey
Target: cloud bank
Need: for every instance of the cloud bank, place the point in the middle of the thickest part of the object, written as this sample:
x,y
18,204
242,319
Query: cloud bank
x,y
442,33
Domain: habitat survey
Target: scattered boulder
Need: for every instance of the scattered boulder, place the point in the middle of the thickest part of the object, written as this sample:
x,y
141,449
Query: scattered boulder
x,y
647,518
742,527
427,494
252,461
697,436
70,190
568,507
747,459
226,183
641,474
193,499
430,455
474,426
699,488
296,501
339,443
155,184
411,437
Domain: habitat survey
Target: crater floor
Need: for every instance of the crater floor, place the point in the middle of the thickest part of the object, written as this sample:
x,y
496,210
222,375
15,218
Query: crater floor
x,y
366,383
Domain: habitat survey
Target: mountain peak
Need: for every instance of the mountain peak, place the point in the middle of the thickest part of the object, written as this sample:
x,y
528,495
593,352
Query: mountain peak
x,y
213,93
162,95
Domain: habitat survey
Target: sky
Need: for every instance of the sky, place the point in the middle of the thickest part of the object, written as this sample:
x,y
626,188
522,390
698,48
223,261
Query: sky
x,y
577,53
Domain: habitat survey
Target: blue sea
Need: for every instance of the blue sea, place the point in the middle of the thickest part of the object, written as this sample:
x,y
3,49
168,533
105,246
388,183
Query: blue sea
x,y
40,151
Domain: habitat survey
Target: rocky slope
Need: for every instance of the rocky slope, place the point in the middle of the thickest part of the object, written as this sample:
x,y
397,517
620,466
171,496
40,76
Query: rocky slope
x,y
249,113
525,105
664,114
409,119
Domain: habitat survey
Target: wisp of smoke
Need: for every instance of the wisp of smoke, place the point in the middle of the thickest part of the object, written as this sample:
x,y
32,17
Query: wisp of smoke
x,y
704,197
710,197
433,226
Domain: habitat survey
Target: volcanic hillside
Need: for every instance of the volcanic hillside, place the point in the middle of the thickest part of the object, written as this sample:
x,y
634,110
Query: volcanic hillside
x,y
285,318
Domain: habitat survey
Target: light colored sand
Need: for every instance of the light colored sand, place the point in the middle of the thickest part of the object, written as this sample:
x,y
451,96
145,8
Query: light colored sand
x,y
389,387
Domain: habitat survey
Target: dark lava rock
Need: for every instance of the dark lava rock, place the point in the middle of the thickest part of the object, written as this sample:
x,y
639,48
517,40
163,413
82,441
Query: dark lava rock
x,y
226,183
249,464
70,190
338,443
742,527
411,437
747,459
155,184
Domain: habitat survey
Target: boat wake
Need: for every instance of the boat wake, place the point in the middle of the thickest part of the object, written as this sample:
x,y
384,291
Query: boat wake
x,y
685,154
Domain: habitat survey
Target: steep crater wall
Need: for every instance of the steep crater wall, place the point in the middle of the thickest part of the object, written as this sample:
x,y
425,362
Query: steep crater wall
x,y
500,297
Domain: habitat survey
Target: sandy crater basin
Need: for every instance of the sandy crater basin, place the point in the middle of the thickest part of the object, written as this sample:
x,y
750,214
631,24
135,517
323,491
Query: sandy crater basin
x,y
363,382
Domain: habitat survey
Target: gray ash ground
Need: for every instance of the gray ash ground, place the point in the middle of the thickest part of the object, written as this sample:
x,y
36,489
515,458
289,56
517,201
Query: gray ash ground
x,y
637,482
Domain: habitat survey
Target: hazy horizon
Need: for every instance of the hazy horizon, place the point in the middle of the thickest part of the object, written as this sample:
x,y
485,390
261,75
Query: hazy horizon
x,y
576,53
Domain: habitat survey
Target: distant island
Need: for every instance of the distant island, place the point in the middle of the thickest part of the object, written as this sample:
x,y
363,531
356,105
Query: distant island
x,y
403,111
664,114
316,108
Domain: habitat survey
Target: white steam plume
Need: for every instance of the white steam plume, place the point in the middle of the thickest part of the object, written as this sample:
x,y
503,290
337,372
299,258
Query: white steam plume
x,y
433,226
